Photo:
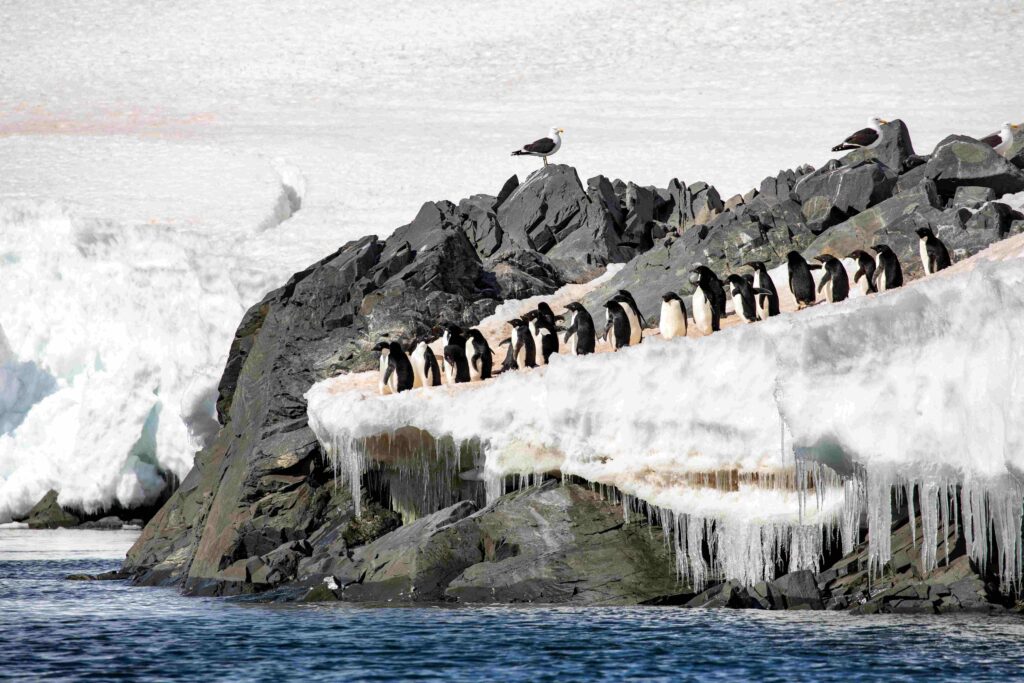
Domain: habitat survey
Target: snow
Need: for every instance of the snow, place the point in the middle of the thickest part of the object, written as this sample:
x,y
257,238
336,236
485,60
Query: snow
x,y
922,386
163,167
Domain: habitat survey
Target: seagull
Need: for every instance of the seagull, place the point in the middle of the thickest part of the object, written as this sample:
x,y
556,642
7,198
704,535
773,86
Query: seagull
x,y
865,138
544,147
1002,141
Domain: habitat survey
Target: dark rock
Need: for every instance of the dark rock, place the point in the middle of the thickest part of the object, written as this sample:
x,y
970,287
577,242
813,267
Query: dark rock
x,y
602,193
506,190
835,192
113,575
563,544
48,514
797,590
544,209
109,523
910,180
374,523
959,160
894,150
727,594
640,204
972,197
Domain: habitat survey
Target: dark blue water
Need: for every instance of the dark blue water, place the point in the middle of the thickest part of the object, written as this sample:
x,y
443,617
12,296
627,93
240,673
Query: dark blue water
x,y
53,628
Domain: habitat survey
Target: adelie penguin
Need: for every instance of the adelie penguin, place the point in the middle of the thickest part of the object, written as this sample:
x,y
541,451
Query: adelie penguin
x,y
425,370
714,285
767,304
521,351
456,367
636,330
888,273
743,297
865,274
544,331
672,322
580,334
479,355
705,309
801,281
835,283
637,322
934,255
617,330
396,373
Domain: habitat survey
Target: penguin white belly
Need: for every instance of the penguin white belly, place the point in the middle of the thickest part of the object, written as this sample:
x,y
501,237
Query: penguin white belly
x,y
865,284
737,307
449,372
828,291
418,360
571,339
635,331
382,365
879,274
672,323
701,311
922,248
474,365
535,333
521,353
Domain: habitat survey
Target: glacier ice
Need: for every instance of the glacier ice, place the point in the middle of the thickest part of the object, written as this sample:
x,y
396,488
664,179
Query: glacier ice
x,y
765,441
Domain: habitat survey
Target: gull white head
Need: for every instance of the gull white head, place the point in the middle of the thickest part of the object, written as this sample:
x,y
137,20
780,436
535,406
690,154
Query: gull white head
x,y
555,132
876,123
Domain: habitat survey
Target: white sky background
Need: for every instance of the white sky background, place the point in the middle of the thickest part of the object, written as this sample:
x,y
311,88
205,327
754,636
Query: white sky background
x,y
142,146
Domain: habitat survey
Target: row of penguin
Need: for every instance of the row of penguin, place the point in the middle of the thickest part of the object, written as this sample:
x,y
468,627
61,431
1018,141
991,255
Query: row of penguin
x,y
467,357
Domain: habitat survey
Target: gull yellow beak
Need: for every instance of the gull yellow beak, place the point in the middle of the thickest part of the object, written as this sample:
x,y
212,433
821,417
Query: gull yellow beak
x,y
561,130
884,121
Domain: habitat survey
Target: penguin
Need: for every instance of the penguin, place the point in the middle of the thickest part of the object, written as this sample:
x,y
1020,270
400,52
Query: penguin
x,y
580,335
835,282
456,368
618,324
801,282
452,334
934,255
478,355
636,330
743,297
714,286
767,304
396,370
627,296
672,322
544,330
705,312
865,271
888,273
426,372
521,351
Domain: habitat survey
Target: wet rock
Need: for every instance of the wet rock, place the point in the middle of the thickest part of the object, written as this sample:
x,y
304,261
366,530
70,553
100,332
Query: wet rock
x,y
559,543
962,161
108,523
48,514
797,590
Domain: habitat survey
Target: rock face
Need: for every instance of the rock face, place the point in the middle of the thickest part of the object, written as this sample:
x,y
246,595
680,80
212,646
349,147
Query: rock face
x,y
263,484
959,160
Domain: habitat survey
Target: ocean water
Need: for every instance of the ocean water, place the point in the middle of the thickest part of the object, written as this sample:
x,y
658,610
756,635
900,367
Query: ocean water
x,y
56,629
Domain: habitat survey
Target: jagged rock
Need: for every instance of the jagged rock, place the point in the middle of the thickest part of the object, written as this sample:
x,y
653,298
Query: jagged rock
x,y
893,151
506,190
972,197
548,206
480,223
48,514
563,544
688,205
835,192
727,594
885,222
910,180
601,192
640,205
959,160
797,590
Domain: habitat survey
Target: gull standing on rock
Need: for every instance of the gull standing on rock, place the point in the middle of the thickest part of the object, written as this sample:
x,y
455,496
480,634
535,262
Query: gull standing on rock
x,y
865,138
544,147
1001,141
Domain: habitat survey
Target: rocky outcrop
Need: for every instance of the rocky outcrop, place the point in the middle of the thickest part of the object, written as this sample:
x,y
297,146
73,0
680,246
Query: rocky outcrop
x,y
263,511
48,514
959,160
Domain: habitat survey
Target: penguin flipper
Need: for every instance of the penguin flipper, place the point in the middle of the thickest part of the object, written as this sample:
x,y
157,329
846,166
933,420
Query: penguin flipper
x,y
824,281
388,373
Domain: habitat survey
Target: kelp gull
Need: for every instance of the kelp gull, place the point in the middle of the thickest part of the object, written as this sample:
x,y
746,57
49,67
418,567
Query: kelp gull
x,y
544,147
865,138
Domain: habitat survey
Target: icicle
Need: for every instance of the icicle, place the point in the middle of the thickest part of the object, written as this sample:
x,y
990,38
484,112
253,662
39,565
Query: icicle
x,y
879,495
910,513
944,509
929,525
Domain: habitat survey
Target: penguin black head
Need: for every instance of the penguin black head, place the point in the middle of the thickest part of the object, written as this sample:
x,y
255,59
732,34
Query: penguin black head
x,y
756,265
517,322
670,296
856,254
612,304
624,293
924,233
735,280
381,345
795,257
544,310
575,306
702,274
825,258
881,247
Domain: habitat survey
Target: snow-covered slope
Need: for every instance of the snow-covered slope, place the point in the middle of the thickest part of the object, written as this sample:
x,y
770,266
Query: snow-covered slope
x,y
807,417
151,156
